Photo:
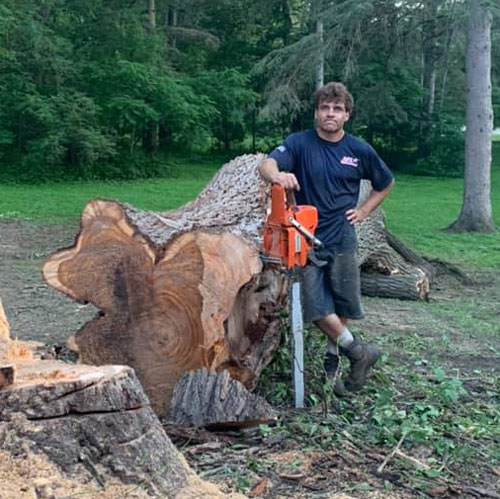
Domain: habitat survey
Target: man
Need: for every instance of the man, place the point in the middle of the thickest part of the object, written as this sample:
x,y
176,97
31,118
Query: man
x,y
325,166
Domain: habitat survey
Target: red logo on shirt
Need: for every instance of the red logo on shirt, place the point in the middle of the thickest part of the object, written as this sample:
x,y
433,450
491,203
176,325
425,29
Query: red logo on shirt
x,y
347,160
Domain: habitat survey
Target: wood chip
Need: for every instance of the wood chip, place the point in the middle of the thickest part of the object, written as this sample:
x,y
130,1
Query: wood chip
x,y
259,488
437,491
7,375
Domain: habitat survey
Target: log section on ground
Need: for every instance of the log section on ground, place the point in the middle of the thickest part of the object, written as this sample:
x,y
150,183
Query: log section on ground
x,y
389,269
185,289
216,401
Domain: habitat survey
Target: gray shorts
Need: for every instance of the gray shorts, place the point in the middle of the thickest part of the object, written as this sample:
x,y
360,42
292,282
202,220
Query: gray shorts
x,y
331,286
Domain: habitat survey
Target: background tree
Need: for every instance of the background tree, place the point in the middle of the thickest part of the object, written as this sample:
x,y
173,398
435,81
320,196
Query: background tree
x,y
475,214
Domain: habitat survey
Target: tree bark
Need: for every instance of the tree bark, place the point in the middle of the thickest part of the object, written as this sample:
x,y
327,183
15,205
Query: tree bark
x,y
204,398
476,215
186,289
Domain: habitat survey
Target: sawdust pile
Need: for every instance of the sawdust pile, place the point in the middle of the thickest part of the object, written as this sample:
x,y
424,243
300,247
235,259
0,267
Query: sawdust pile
x,y
32,476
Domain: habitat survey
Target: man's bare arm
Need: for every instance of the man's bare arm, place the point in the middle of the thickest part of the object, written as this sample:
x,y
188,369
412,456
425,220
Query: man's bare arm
x,y
363,211
269,171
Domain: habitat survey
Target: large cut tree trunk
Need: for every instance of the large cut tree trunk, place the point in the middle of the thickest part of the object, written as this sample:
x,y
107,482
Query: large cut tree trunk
x,y
476,215
179,291
186,289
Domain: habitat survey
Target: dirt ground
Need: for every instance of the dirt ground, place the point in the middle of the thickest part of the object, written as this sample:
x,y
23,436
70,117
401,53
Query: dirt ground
x,y
34,310
471,346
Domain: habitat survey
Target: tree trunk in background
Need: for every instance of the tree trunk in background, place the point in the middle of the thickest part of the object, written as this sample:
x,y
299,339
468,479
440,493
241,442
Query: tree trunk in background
x,y
430,56
152,15
320,69
449,37
151,139
476,215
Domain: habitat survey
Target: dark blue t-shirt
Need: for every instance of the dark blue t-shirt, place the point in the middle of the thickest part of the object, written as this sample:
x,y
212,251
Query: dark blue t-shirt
x,y
329,174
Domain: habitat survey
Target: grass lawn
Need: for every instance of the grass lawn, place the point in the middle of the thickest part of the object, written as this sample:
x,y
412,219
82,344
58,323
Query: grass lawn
x,y
417,209
59,202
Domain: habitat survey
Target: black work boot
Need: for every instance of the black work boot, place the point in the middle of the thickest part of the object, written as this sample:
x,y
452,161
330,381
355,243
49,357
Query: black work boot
x,y
362,357
332,372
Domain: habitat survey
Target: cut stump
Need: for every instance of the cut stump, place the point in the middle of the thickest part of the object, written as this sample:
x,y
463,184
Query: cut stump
x,y
94,423
84,429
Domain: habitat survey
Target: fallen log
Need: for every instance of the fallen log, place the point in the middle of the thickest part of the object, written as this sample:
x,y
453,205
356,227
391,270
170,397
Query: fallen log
x,y
178,291
183,290
389,269
400,287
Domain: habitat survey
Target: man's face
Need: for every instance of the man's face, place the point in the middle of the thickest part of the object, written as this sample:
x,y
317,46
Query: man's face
x,y
331,115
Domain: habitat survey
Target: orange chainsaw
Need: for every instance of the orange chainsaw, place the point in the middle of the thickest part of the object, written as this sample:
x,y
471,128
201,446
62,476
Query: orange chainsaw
x,y
288,239
289,230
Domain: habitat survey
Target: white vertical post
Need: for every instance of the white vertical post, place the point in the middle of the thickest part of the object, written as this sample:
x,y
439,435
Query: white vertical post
x,y
297,327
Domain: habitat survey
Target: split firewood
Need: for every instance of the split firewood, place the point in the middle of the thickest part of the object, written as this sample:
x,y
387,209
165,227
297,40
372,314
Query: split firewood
x,y
185,289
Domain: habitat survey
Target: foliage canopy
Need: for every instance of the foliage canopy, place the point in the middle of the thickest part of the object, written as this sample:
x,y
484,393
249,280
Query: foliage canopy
x,y
99,89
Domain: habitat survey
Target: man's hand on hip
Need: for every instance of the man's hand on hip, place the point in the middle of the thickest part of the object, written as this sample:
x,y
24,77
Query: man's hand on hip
x,y
287,180
356,215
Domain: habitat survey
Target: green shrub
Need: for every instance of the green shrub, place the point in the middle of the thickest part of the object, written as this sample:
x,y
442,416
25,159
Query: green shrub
x,y
442,150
